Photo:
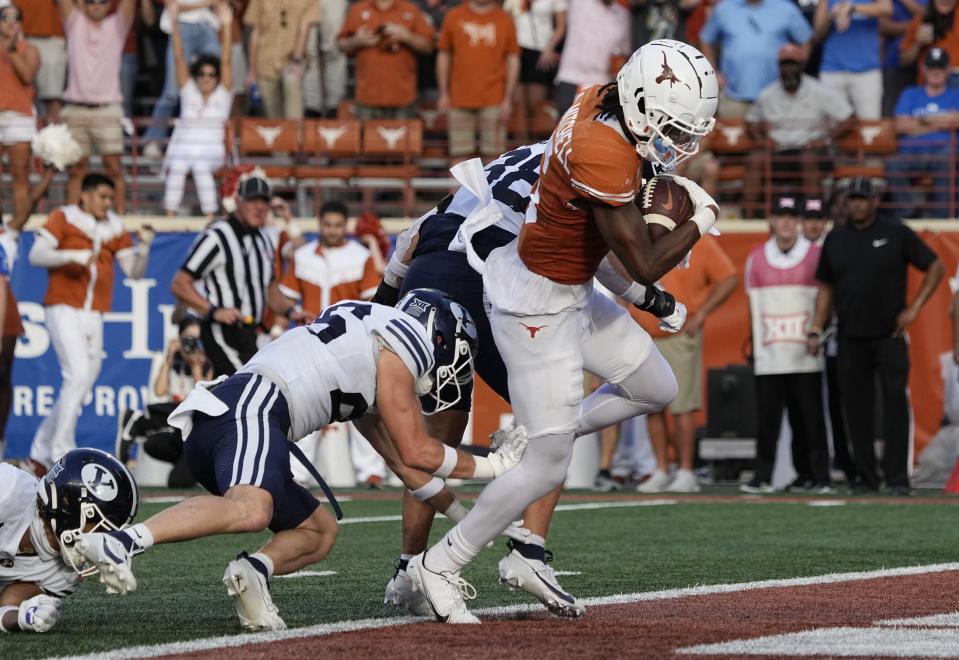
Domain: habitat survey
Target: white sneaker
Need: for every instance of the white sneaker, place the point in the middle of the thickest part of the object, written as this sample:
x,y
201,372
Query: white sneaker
x,y
537,578
655,484
109,556
446,593
152,151
401,592
249,588
685,481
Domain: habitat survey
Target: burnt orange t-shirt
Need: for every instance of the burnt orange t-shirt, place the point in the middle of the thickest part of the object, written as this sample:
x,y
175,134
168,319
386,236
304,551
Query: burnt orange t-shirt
x,y
478,45
15,96
589,161
84,287
708,265
40,18
949,42
319,277
386,73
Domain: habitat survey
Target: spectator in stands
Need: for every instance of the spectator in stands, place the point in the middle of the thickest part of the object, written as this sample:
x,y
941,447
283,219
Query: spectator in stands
x,y
130,63
384,37
44,31
19,62
927,117
862,273
540,30
748,35
80,245
781,286
93,109
938,27
808,9
278,43
849,30
324,272
800,116
703,287
897,74
477,69
198,25
184,364
238,57
198,145
324,83
596,47
814,220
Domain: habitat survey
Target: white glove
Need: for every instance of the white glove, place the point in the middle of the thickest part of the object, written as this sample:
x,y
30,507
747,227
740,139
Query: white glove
x,y
147,234
504,458
39,614
674,322
499,436
78,257
705,208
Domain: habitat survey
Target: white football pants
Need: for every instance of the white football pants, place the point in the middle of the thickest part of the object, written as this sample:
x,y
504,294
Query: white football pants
x,y
77,338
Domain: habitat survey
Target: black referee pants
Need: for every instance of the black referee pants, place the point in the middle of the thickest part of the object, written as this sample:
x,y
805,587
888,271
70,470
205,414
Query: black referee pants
x,y
229,347
861,362
801,396
837,422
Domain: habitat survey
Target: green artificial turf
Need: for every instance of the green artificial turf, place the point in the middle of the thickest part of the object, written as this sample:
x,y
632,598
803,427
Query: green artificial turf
x,y
616,550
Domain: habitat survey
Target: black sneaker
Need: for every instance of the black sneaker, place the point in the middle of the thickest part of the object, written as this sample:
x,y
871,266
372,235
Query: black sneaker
x,y
800,485
757,487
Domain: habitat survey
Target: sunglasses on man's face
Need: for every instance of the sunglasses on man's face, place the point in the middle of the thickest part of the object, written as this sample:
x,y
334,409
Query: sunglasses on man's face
x,y
206,74
9,17
96,2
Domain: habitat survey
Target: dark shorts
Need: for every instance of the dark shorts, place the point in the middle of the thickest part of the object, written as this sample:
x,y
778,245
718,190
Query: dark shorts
x,y
530,73
435,267
229,347
247,445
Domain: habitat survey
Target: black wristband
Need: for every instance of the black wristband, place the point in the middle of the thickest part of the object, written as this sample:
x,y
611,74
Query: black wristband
x,y
659,303
386,295
210,312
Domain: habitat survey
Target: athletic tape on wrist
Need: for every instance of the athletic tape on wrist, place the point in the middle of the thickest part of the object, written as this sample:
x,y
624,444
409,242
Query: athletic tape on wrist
x,y
636,294
3,613
704,218
432,487
484,468
449,463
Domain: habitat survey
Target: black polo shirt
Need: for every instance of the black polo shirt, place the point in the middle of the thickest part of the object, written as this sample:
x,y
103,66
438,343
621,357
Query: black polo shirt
x,y
867,271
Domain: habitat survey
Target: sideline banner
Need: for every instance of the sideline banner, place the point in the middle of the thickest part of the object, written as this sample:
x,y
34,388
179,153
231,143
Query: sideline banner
x,y
135,334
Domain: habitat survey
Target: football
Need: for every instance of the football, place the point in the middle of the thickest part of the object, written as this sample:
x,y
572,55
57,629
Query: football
x,y
665,204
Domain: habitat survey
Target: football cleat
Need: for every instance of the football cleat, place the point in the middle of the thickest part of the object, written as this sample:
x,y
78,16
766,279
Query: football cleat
x,y
109,556
536,577
249,588
446,593
401,592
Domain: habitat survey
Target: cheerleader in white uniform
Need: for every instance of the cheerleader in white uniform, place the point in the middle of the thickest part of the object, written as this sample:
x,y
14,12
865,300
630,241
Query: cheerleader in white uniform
x,y
206,99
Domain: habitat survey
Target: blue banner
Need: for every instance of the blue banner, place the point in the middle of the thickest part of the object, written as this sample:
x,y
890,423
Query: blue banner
x,y
135,335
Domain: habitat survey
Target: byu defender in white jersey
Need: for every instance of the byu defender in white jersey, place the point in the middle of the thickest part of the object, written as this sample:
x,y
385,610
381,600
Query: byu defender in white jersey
x,y
356,359
40,519
445,250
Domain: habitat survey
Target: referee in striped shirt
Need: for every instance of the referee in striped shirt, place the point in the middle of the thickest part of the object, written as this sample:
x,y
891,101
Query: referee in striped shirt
x,y
233,259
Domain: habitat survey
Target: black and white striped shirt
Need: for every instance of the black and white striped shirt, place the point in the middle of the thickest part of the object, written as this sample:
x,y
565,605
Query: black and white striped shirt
x,y
235,264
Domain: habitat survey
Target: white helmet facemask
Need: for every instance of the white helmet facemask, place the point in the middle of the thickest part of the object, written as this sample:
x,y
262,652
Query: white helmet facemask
x,y
669,93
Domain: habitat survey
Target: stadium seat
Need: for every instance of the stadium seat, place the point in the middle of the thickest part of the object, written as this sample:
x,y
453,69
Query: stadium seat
x,y
434,129
271,144
730,141
862,148
332,147
387,159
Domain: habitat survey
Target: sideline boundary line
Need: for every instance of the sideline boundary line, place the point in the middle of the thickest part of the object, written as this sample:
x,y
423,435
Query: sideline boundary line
x,y
244,639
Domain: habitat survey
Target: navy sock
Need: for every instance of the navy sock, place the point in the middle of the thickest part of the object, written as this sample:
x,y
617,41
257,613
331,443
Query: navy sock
x,y
401,564
128,541
255,563
528,550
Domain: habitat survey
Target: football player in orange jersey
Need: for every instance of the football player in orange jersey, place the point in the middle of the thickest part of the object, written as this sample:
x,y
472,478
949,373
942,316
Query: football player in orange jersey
x,y
548,322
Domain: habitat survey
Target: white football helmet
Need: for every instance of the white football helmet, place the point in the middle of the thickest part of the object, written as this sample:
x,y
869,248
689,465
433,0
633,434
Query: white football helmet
x,y
669,93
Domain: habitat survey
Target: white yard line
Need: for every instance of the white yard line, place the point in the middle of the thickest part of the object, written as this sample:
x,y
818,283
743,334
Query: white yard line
x,y
225,641
303,574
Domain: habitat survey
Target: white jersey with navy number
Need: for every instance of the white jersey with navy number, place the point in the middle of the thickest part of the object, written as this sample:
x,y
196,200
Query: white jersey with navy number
x,y
510,178
18,516
327,370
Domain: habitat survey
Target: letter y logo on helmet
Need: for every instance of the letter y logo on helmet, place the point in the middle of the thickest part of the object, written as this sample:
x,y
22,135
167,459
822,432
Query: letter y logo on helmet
x,y
669,93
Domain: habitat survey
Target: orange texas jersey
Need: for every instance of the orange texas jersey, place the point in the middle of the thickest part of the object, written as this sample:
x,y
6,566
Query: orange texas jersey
x,y
588,160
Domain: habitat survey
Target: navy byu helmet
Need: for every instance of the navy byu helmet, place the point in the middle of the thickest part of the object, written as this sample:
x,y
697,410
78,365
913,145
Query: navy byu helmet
x,y
452,334
86,487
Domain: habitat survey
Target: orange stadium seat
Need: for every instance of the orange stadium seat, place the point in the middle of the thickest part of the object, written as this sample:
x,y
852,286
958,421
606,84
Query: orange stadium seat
x,y
270,143
731,142
862,147
332,147
390,148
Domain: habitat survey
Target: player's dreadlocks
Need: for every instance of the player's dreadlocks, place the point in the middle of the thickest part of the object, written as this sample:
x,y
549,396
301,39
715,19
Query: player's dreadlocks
x,y
609,106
